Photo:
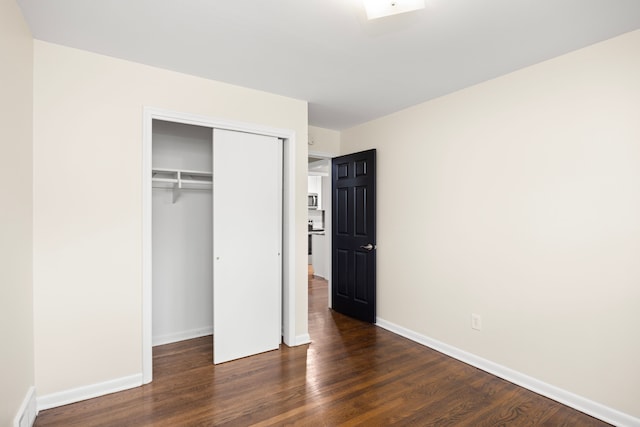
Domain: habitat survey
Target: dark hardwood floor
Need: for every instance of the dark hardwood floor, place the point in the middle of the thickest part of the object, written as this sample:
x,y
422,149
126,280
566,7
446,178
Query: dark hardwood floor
x,y
352,374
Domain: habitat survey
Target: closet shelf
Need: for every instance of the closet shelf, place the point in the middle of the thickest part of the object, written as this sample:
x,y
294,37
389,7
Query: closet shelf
x,y
179,179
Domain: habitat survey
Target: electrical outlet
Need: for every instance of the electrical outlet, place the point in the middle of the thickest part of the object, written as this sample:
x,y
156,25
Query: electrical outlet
x,y
476,322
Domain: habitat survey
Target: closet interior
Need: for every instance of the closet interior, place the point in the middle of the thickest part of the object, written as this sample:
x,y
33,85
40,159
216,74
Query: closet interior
x,y
182,232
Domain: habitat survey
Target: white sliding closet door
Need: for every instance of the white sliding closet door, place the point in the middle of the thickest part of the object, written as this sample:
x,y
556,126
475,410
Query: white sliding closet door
x,y
247,244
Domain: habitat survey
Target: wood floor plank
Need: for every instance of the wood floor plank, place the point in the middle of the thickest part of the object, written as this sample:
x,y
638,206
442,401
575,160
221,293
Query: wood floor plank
x,y
352,374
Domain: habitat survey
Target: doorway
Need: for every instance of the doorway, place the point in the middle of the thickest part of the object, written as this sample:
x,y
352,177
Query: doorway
x,y
288,215
319,173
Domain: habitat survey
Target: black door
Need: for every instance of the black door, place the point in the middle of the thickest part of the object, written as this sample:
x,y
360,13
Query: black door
x,y
354,235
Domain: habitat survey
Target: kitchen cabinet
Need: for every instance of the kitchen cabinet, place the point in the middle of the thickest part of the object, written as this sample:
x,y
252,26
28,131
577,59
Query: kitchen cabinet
x,y
318,242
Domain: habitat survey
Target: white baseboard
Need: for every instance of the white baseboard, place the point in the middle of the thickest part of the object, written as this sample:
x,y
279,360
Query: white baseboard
x,y
88,392
302,339
182,335
595,409
28,410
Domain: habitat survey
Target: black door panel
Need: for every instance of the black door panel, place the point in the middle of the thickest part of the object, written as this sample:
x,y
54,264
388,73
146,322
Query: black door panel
x,y
354,235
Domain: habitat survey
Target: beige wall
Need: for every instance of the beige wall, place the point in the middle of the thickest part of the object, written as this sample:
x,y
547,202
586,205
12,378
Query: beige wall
x,y
324,141
16,147
518,199
87,203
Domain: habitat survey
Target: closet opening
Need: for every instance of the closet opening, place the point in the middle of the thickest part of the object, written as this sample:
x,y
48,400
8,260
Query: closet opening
x,y
182,232
179,250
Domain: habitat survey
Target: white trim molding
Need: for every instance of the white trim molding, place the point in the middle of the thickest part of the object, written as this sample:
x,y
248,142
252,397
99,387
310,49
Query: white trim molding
x,y
28,410
595,409
322,154
302,339
88,392
182,335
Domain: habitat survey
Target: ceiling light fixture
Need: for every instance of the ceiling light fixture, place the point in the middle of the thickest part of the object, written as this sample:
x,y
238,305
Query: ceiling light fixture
x,y
380,8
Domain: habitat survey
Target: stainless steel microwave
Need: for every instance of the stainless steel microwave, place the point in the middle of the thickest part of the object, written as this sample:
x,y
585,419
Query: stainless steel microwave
x,y
312,201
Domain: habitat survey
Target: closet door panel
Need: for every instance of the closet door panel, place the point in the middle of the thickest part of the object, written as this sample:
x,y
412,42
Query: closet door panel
x,y
247,262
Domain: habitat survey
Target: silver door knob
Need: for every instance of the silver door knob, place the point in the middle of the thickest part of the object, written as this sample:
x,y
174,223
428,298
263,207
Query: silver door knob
x,y
368,247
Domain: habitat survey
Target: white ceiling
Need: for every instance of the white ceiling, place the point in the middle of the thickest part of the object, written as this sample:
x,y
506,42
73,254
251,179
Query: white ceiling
x,y
350,70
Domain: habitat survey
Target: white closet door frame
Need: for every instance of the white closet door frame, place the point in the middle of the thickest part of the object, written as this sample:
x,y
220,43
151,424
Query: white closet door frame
x,y
288,216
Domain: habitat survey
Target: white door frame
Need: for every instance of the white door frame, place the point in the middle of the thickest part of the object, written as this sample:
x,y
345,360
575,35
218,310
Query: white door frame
x,y
288,217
